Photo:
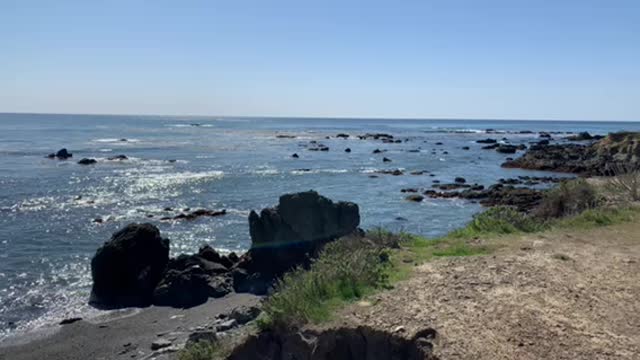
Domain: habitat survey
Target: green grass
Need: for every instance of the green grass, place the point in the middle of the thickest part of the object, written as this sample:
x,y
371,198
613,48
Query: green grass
x,y
598,217
201,350
345,271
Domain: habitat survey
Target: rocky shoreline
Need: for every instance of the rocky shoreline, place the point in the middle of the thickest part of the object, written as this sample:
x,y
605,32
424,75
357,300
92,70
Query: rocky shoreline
x,y
133,268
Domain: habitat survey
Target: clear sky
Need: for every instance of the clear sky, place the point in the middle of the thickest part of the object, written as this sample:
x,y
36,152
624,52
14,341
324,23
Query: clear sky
x,y
511,59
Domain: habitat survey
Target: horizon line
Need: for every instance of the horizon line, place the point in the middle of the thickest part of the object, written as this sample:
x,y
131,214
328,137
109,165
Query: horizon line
x,y
310,117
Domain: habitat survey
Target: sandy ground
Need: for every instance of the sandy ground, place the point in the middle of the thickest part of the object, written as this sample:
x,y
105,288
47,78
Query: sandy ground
x,y
126,335
562,295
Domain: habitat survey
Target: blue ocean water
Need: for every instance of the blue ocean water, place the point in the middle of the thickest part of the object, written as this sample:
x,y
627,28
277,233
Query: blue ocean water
x,y
47,207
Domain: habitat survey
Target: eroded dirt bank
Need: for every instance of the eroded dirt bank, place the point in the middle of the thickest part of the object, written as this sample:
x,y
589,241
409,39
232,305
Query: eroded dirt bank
x,y
561,295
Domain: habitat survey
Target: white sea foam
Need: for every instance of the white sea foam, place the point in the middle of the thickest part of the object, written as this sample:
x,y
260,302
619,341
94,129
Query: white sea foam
x,y
318,171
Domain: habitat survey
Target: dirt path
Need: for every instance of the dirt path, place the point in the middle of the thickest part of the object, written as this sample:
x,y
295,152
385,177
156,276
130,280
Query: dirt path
x,y
562,295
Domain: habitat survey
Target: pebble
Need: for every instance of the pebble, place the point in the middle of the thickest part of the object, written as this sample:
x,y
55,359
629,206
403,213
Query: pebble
x,y
159,344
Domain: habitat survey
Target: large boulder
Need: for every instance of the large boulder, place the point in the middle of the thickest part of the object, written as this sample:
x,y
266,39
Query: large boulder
x,y
303,217
290,234
127,268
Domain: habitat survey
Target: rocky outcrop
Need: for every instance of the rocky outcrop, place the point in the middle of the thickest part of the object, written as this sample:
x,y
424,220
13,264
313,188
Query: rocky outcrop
x,y
361,343
598,158
191,280
290,233
62,154
134,269
523,199
127,268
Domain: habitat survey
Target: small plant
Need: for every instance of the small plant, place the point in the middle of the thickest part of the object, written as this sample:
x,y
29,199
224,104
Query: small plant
x,y
201,350
568,198
625,182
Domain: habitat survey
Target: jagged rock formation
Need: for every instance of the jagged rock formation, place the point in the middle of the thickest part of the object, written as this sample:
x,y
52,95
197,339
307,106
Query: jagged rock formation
x,y
134,269
598,158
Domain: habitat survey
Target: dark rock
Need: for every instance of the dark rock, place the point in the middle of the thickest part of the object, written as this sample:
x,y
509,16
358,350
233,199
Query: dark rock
x,y
160,344
62,154
583,136
415,198
522,199
127,268
377,151
348,150
491,147
507,149
70,321
343,136
409,190
460,180
487,141
465,148
295,156
285,136
545,135
87,161
118,157
199,213
289,234
183,289
396,172
439,143
386,160
418,172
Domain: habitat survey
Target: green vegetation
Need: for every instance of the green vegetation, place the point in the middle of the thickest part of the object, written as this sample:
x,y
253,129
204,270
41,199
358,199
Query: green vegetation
x,y
569,198
350,269
346,270
201,350
498,221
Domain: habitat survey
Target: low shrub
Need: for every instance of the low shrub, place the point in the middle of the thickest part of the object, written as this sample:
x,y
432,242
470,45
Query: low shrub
x,y
345,270
624,185
498,221
201,350
568,198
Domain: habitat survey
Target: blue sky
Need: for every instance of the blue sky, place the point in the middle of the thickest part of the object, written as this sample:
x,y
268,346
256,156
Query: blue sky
x,y
511,59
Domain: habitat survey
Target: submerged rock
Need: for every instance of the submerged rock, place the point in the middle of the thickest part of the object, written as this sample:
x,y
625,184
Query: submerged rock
x,y
127,268
87,161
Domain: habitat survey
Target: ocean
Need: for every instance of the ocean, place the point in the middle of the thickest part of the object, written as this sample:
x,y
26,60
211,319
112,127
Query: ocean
x,y
47,207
